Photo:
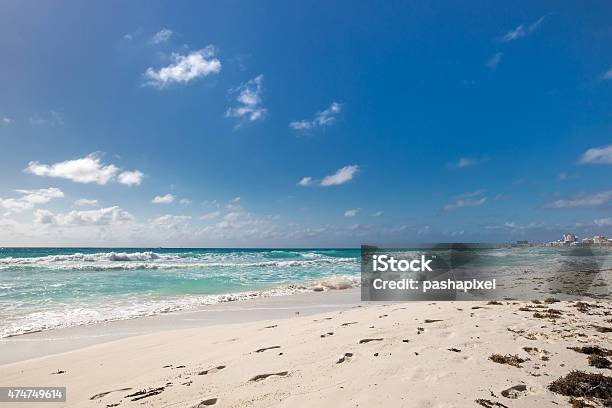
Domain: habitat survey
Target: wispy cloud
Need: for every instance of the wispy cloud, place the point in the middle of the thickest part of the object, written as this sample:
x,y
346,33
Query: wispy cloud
x,y
250,104
321,119
522,30
470,199
466,162
82,202
163,199
211,215
377,214
161,36
186,68
53,118
30,198
597,155
494,60
607,75
7,120
170,221
305,182
603,222
88,169
101,217
582,200
351,213
343,175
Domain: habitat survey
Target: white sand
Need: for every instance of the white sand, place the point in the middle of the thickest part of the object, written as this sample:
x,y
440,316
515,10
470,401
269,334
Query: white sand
x,y
402,366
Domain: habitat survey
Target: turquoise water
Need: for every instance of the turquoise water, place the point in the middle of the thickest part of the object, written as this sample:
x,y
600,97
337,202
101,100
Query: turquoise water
x,y
43,288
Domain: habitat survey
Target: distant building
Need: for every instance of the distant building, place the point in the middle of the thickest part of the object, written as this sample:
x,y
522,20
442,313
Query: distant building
x,y
597,239
569,238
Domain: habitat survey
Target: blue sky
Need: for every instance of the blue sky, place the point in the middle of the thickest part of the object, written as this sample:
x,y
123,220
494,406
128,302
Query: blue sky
x,y
303,123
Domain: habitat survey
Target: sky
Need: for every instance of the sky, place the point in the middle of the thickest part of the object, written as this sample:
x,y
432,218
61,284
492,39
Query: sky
x,y
303,124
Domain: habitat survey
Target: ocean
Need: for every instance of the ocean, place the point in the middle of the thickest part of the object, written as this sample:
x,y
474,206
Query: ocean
x,y
46,288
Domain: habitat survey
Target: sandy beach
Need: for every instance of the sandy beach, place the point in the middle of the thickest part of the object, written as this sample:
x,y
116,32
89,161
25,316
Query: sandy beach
x,y
414,354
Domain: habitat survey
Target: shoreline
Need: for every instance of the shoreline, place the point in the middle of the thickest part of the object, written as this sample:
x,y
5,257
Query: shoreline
x,y
65,339
413,354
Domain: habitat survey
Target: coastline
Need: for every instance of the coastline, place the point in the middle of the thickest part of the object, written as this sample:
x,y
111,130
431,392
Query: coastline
x,y
415,354
59,340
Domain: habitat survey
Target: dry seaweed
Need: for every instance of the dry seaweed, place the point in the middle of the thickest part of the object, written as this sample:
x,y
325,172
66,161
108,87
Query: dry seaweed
x,y
583,384
513,360
599,362
592,350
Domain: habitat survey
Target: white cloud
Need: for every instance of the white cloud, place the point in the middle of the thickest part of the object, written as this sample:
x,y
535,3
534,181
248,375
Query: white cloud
x,y
54,118
235,200
351,213
88,169
341,176
603,222
466,162
169,221
378,214
16,205
162,36
305,182
130,178
165,199
102,217
184,201
250,107
597,155
7,121
82,202
185,68
321,119
233,216
607,75
30,198
494,60
522,30
210,215
470,199
41,196
582,201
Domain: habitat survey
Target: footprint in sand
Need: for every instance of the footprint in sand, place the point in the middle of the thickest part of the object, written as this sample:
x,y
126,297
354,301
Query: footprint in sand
x,y
138,395
212,370
206,403
261,350
345,357
515,392
104,394
327,334
259,377
363,341
536,352
348,323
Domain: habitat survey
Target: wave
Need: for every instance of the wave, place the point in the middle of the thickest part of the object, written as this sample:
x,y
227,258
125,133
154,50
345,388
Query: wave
x,y
115,309
151,260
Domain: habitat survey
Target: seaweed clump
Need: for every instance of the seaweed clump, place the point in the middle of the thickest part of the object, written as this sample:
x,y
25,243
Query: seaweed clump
x,y
513,360
585,385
